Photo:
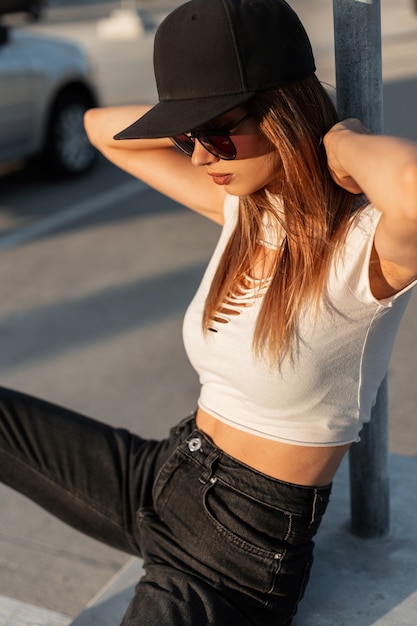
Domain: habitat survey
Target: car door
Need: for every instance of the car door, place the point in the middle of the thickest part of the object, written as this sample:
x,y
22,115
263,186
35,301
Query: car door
x,y
15,105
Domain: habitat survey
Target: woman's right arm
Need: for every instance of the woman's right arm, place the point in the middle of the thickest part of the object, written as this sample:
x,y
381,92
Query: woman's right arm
x,y
154,161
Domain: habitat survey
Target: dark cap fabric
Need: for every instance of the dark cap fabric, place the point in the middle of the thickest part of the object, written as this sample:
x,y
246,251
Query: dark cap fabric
x,y
211,56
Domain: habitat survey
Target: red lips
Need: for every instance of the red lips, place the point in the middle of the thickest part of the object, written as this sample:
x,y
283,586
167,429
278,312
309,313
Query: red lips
x,y
221,179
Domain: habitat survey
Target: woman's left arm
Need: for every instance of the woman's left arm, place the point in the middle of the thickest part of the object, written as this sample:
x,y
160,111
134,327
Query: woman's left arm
x,y
385,170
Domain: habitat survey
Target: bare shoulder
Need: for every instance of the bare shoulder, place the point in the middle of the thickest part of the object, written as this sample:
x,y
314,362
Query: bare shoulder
x,y
393,264
387,278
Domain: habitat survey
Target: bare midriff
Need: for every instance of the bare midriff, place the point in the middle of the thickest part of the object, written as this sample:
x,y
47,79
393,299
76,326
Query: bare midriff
x,y
301,465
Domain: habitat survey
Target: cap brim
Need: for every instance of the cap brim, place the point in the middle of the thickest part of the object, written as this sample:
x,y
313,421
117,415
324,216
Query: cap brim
x,y
173,117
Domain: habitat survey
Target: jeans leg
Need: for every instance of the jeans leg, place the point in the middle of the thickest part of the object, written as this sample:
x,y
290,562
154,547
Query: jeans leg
x,y
89,475
168,597
222,544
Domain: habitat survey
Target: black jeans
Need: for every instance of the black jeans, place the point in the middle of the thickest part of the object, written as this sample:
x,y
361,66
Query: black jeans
x,y
222,544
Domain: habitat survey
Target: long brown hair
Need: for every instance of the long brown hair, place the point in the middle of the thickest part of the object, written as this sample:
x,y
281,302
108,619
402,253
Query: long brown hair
x,y
315,218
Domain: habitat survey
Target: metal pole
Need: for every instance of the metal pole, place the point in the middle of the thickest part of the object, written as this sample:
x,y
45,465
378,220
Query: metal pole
x,y
357,26
357,29
369,476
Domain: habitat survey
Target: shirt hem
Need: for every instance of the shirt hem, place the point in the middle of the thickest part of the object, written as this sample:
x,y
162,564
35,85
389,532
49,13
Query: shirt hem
x,y
278,438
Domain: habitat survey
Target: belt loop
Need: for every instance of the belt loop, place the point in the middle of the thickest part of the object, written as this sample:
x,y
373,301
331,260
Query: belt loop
x,y
209,463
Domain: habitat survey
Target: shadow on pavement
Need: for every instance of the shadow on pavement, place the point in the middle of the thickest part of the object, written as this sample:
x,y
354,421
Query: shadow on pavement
x,y
38,334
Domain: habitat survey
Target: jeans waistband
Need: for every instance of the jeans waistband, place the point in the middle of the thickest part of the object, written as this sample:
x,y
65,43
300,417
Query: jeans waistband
x,y
297,499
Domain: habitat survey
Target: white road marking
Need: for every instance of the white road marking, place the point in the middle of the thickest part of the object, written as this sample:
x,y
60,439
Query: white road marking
x,y
71,214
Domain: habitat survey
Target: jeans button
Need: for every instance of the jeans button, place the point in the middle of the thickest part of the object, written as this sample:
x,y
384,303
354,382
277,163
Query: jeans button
x,y
194,444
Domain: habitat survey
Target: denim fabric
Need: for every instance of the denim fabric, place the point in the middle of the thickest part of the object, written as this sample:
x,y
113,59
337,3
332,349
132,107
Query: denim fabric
x,y
222,544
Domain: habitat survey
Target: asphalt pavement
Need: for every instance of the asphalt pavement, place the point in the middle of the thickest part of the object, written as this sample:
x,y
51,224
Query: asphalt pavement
x,y
90,317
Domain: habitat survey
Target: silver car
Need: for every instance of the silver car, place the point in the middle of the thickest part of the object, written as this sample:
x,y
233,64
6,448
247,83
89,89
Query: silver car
x,y
46,85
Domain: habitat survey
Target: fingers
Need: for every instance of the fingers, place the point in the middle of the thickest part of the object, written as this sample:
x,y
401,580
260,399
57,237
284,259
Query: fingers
x,y
336,151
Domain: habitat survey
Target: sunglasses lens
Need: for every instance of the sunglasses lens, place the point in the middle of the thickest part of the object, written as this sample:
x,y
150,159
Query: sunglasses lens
x,y
184,143
220,145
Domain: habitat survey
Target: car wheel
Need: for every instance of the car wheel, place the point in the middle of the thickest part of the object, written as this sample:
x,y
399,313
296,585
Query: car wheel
x,y
68,150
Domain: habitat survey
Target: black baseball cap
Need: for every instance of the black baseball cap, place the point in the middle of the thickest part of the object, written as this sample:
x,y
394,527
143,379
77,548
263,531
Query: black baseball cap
x,y
211,56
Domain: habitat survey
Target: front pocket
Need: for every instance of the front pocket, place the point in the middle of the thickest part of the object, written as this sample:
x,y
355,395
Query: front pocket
x,y
248,523
247,537
194,535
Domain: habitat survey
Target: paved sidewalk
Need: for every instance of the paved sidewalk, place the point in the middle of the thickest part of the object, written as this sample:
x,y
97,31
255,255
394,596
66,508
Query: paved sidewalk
x,y
15,613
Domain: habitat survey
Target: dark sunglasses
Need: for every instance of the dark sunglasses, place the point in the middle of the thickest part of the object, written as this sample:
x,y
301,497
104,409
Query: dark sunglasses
x,y
215,141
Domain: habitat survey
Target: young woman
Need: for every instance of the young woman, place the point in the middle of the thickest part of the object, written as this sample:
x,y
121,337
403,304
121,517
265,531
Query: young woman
x,y
290,330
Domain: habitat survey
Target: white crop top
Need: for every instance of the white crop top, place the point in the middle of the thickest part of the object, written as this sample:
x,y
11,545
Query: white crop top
x,y
324,394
